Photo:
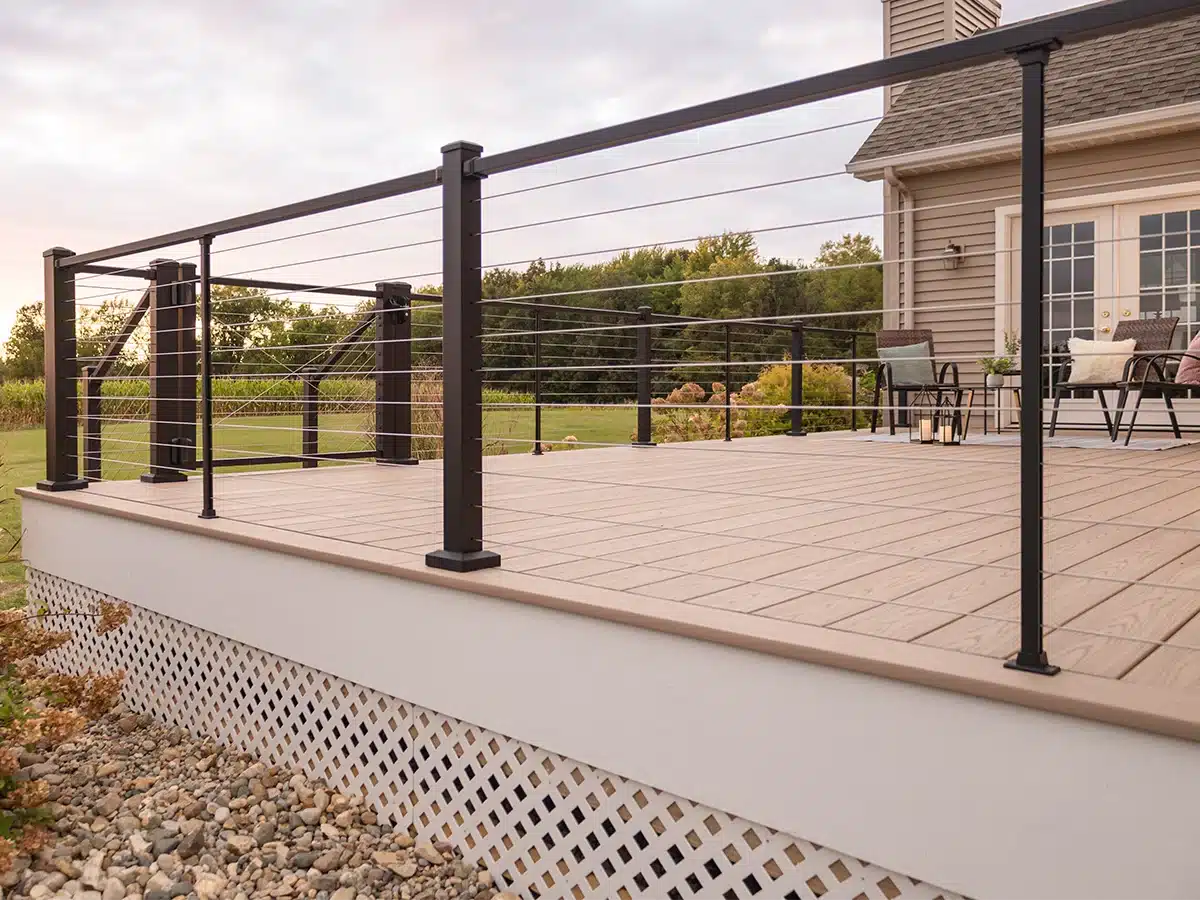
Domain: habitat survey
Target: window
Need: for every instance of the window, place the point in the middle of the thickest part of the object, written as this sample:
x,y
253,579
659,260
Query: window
x,y
1169,269
1069,261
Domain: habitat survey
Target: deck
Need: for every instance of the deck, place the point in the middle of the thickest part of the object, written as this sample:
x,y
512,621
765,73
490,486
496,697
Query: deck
x,y
886,558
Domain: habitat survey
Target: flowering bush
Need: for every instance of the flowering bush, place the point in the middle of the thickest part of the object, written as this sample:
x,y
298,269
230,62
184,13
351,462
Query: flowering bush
x,y
689,413
38,709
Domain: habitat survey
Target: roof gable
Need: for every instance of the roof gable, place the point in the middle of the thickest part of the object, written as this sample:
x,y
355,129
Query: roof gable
x,y
1144,69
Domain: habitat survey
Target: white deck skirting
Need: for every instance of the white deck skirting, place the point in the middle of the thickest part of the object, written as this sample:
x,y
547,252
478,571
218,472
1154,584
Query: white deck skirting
x,y
983,798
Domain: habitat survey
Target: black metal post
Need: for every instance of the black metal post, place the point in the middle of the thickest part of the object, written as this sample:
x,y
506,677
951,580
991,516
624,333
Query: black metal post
x,y
172,371
62,435
797,404
208,511
1032,655
728,389
462,361
854,382
310,437
537,382
644,357
393,374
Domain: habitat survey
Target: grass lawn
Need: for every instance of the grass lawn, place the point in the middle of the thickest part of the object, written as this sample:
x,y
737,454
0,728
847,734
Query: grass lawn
x,y
124,452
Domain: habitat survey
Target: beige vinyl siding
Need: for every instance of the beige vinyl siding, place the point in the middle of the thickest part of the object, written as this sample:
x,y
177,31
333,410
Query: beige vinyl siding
x,y
960,206
971,16
916,24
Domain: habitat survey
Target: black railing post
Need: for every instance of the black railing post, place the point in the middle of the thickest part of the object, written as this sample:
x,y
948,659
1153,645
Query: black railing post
x,y
645,356
462,362
393,373
208,509
728,388
537,382
92,423
172,371
797,404
1032,655
854,382
62,411
310,436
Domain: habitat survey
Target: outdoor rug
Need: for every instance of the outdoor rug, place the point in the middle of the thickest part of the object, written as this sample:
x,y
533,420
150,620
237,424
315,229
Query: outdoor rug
x,y
1078,442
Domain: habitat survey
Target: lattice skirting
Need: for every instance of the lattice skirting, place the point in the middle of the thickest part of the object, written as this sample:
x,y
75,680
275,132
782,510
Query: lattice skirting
x,y
545,825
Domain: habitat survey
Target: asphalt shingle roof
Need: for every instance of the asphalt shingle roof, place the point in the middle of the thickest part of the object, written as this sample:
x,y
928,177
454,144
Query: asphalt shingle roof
x,y
1138,70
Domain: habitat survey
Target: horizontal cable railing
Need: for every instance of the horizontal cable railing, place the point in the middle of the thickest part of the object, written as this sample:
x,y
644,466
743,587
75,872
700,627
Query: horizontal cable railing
x,y
693,419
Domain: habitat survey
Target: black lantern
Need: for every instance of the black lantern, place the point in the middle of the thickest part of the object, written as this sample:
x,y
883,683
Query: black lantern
x,y
922,418
949,424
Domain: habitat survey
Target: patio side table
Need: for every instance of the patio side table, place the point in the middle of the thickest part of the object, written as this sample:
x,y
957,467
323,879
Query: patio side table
x,y
993,403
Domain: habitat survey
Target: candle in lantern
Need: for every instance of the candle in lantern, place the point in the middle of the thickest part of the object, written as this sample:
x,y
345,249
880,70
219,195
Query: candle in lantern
x,y
926,429
948,431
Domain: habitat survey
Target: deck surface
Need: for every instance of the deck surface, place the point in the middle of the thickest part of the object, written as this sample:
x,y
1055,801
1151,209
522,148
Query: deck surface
x,y
899,543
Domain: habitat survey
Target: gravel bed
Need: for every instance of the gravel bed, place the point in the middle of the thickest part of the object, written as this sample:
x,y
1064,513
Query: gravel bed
x,y
145,811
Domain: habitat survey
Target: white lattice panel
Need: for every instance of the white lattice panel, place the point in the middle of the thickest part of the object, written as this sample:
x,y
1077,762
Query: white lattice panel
x,y
548,826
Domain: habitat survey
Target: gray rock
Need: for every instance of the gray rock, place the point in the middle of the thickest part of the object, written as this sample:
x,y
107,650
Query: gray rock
x,y
264,832
114,889
192,844
180,889
240,844
165,845
304,859
310,816
327,860
109,804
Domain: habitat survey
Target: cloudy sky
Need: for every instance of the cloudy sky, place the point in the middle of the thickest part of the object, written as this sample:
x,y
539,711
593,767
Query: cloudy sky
x,y
126,118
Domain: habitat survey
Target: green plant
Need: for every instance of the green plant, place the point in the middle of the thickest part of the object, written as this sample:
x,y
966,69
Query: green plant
x,y
41,708
1002,365
996,365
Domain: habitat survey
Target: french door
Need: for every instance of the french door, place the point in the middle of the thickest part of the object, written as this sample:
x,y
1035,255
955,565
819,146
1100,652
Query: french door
x,y
1106,264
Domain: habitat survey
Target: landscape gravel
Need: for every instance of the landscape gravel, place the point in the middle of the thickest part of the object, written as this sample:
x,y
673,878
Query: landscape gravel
x,y
141,810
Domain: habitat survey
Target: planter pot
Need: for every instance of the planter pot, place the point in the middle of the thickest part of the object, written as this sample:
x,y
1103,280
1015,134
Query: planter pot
x,y
995,381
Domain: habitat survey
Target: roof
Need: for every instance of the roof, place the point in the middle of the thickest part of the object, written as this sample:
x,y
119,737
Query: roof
x,y
1139,70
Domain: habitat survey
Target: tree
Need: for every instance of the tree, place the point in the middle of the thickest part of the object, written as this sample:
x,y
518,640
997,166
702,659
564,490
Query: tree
x,y
24,351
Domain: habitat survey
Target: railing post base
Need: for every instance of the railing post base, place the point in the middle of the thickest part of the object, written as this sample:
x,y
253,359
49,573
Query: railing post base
x,y
405,461
162,477
54,487
1037,667
453,561
642,444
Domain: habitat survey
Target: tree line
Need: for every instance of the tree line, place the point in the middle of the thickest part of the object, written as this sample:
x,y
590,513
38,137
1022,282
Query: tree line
x,y
256,333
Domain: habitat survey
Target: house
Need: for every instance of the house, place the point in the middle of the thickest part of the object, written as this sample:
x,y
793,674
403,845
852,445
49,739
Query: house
x,y
1123,184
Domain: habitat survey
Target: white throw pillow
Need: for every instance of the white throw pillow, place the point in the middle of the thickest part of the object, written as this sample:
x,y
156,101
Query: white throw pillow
x,y
1098,362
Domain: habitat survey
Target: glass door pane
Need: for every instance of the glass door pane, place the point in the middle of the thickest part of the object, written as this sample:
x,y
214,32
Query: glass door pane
x,y
1069,297
1168,270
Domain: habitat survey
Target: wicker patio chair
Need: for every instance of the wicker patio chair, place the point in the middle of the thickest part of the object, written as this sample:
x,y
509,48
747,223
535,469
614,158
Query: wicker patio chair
x,y
883,374
1156,378
1152,336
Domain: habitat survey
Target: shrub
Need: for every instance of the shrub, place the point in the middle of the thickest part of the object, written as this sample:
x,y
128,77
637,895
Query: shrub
x,y
39,709
760,408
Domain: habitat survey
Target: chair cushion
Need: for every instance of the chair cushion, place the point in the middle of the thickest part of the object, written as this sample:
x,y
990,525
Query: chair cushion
x,y
1098,362
1189,368
910,364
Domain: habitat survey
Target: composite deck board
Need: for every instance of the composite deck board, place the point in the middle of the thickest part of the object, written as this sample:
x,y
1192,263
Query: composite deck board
x,y
892,541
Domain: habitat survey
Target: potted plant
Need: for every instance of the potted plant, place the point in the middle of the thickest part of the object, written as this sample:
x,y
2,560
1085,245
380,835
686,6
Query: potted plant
x,y
996,367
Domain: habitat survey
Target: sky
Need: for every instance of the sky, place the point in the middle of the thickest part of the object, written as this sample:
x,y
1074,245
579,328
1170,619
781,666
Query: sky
x,y
121,119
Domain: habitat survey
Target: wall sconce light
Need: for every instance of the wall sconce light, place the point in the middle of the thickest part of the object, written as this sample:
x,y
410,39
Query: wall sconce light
x,y
952,256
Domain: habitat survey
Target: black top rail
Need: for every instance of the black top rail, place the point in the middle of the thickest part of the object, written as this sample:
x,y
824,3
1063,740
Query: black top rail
x,y
393,187
1110,17
1070,27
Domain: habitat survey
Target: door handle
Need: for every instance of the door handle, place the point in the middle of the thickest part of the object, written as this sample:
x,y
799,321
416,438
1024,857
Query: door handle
x,y
1126,313
1105,314
1105,330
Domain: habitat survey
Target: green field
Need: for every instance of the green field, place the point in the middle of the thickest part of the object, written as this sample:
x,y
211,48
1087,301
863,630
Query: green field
x,y
124,451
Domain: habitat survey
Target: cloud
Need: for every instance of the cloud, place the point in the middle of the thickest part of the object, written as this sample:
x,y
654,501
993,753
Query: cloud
x,y
126,118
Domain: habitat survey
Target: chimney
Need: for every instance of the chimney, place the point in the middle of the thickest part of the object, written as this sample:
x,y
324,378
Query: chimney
x,y
915,24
